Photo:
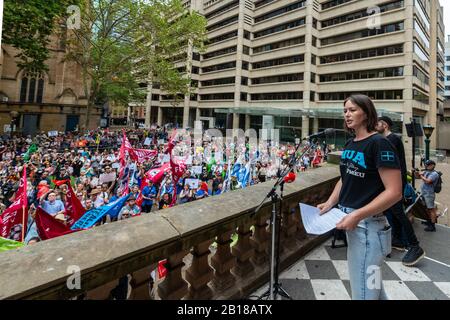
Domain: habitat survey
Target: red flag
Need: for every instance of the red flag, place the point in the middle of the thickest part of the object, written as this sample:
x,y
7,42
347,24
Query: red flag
x,y
162,271
178,169
60,182
74,208
171,143
157,174
48,227
17,214
141,155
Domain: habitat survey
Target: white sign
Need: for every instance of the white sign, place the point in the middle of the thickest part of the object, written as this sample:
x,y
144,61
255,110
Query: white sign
x,y
53,133
315,223
147,142
7,128
161,141
197,169
192,183
163,158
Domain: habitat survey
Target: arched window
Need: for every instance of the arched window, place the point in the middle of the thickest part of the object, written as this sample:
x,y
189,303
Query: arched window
x,y
32,87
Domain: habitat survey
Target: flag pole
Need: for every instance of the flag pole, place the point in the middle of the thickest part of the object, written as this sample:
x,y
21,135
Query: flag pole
x,y
23,223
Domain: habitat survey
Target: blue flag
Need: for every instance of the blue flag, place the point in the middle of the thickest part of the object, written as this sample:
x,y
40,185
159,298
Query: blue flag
x,y
92,216
244,175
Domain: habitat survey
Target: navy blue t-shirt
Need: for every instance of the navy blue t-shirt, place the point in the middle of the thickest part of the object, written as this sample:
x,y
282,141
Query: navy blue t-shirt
x,y
360,161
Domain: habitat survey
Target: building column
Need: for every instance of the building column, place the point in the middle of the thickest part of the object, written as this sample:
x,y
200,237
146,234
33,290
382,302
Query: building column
x,y
235,121
247,121
305,126
432,113
197,114
160,116
316,125
186,112
148,104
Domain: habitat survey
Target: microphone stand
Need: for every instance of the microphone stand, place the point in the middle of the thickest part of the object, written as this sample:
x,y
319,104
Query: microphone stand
x,y
275,287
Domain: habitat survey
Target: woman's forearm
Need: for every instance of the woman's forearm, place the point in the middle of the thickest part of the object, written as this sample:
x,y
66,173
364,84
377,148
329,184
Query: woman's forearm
x,y
334,197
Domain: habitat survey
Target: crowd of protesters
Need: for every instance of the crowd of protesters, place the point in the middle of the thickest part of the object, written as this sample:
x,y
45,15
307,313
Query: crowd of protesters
x,y
90,162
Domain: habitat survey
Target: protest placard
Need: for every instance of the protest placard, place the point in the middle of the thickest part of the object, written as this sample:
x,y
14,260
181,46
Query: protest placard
x,y
192,183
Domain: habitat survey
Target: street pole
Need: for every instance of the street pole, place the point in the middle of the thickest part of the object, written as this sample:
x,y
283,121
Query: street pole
x,y
427,148
413,151
1,25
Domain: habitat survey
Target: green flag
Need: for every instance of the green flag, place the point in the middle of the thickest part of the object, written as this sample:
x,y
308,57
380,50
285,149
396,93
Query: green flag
x,y
212,162
32,149
6,244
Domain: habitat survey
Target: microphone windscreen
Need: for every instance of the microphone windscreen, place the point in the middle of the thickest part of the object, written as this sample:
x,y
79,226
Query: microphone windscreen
x,y
329,131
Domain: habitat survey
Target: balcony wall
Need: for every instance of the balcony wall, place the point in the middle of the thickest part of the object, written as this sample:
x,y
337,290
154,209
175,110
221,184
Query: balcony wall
x,y
182,234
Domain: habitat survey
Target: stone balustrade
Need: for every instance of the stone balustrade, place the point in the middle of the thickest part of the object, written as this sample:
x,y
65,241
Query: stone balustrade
x,y
195,239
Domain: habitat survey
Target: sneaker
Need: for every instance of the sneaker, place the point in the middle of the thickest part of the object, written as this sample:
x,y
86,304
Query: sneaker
x,y
397,244
414,255
430,228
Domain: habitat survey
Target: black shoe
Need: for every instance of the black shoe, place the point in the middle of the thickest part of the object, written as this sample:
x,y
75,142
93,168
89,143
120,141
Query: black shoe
x,y
430,228
425,222
414,255
397,244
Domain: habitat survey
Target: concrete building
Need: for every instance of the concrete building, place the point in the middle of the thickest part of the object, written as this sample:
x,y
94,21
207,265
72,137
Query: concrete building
x,y
52,100
447,77
289,64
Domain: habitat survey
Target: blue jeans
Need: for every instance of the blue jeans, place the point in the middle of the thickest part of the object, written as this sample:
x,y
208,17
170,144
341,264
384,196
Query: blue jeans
x,y
368,244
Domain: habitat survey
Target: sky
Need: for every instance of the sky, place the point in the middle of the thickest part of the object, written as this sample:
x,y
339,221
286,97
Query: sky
x,y
446,5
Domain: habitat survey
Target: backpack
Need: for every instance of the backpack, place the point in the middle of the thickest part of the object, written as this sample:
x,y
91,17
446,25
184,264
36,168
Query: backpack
x,y
438,185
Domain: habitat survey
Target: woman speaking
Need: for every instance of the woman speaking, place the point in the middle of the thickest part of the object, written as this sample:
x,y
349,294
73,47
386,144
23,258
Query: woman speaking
x,y
370,183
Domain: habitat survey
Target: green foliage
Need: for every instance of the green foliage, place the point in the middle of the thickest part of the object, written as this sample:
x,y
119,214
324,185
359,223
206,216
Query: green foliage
x,y
27,26
124,43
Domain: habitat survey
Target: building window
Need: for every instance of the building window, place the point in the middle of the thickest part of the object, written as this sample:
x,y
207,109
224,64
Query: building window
x,y
398,26
278,96
221,52
333,3
362,54
243,96
244,81
313,77
374,95
218,67
277,12
419,74
313,59
420,96
246,50
222,23
244,65
218,82
280,44
280,78
217,96
365,74
279,28
361,14
223,37
277,62
32,87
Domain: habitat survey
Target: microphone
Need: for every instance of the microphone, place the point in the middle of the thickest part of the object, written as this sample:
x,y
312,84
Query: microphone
x,y
318,134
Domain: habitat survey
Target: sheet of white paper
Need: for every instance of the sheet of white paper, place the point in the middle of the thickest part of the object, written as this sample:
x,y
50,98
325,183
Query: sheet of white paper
x,y
315,223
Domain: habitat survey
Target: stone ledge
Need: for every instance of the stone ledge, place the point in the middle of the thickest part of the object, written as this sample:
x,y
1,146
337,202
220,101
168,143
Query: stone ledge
x,y
111,251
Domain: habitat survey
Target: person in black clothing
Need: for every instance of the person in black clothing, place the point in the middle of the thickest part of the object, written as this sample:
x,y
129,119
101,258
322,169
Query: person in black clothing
x,y
370,184
396,215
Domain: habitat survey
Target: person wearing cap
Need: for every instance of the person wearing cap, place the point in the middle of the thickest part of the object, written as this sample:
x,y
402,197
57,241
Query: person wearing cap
x,y
403,235
131,209
52,206
429,178
97,200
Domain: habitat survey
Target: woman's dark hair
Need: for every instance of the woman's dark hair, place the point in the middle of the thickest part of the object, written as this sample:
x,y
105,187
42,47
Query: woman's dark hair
x,y
366,104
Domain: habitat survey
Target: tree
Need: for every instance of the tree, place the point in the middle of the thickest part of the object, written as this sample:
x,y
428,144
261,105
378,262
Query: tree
x,y
27,26
120,43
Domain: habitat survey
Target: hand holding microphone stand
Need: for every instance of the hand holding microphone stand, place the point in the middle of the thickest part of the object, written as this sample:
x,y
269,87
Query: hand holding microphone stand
x,y
275,287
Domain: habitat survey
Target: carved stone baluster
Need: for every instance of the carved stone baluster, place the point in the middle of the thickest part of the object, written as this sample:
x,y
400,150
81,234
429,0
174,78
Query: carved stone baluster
x,y
200,273
222,262
261,240
103,292
288,227
173,287
140,282
243,251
